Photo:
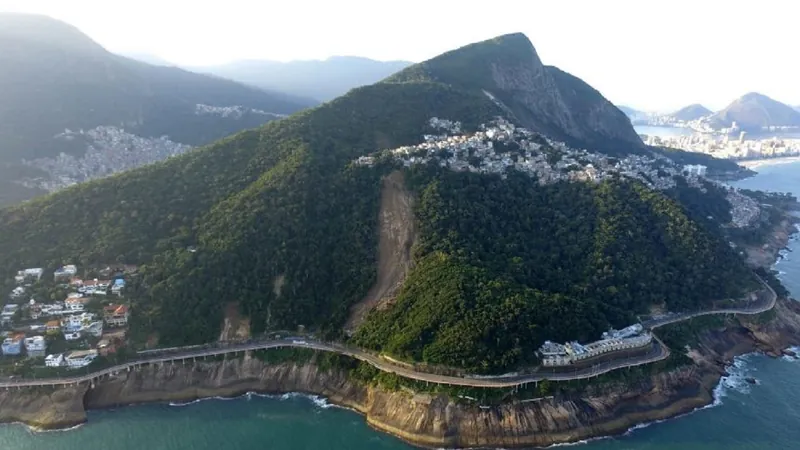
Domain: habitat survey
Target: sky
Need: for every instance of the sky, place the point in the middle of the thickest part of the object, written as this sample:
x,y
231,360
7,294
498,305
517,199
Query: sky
x,y
651,55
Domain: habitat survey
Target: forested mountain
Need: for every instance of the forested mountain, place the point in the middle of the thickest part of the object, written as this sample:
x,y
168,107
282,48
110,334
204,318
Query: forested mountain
x,y
281,220
321,80
54,78
755,111
691,112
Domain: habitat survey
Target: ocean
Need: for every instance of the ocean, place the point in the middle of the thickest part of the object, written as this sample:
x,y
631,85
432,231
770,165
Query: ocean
x,y
763,416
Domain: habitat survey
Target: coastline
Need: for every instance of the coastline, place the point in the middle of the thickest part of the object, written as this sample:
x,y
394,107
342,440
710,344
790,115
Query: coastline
x,y
754,164
434,420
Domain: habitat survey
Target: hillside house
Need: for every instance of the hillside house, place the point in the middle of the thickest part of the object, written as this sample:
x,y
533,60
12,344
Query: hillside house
x,y
54,360
115,315
7,315
52,327
35,346
18,292
118,287
80,358
75,304
29,275
94,287
12,345
65,273
74,336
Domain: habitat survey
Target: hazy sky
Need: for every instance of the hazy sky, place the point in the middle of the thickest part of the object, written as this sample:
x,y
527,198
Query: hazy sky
x,y
647,54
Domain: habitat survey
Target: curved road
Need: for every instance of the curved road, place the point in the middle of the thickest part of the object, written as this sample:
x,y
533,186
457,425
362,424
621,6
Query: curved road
x,y
177,355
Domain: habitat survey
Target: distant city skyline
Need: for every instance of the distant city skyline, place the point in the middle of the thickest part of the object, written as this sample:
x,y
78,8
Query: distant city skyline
x,y
640,54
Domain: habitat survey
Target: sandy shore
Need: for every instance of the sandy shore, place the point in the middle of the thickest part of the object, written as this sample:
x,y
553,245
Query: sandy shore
x,y
753,164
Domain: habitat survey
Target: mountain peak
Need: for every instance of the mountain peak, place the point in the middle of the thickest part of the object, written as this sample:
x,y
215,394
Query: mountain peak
x,y
692,112
541,98
754,111
44,30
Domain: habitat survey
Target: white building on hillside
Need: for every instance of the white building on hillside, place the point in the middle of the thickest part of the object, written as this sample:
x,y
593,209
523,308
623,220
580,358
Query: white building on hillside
x,y
80,358
632,337
54,360
35,346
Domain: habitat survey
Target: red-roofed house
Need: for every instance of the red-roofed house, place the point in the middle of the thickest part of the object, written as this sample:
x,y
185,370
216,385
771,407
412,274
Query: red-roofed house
x,y
116,315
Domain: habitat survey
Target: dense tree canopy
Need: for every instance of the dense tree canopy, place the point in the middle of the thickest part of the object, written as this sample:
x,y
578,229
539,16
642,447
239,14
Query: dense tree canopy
x,y
510,258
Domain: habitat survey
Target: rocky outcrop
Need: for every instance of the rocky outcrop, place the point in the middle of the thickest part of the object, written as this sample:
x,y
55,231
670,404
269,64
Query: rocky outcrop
x,y
766,254
556,103
420,419
44,408
538,97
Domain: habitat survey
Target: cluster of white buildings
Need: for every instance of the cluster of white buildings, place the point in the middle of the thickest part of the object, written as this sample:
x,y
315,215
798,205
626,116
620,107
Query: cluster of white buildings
x,y
741,148
633,337
109,150
500,146
27,276
75,359
744,210
232,112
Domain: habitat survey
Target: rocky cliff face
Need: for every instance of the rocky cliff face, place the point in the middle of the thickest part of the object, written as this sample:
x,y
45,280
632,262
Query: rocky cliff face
x,y
420,419
539,97
44,408
560,105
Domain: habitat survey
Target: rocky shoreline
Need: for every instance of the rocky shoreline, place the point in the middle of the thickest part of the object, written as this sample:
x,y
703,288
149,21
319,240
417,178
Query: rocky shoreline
x,y
425,420
436,420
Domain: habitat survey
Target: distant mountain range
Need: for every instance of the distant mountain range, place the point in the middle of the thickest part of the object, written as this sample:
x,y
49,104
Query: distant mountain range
x,y
751,112
755,111
691,112
70,110
320,80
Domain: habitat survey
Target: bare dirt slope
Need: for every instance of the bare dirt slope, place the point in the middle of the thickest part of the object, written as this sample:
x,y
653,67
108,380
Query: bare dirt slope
x,y
234,325
397,236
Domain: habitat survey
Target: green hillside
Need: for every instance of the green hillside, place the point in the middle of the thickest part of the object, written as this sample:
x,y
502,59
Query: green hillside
x,y
506,264
501,264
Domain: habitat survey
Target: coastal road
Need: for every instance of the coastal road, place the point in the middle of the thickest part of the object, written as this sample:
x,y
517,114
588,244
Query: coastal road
x,y
181,355
763,304
658,352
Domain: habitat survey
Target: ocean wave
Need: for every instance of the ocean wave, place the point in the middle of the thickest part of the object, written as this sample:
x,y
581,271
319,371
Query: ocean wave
x,y
736,380
795,350
320,402
179,404
37,430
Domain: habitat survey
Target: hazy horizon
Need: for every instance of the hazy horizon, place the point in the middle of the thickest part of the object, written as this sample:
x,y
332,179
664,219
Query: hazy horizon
x,y
649,57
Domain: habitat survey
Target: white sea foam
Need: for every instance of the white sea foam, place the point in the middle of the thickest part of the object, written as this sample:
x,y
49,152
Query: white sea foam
x,y
795,350
201,400
33,429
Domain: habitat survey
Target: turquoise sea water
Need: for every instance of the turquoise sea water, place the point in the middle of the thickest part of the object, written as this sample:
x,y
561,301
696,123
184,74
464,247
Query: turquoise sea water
x,y
765,416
